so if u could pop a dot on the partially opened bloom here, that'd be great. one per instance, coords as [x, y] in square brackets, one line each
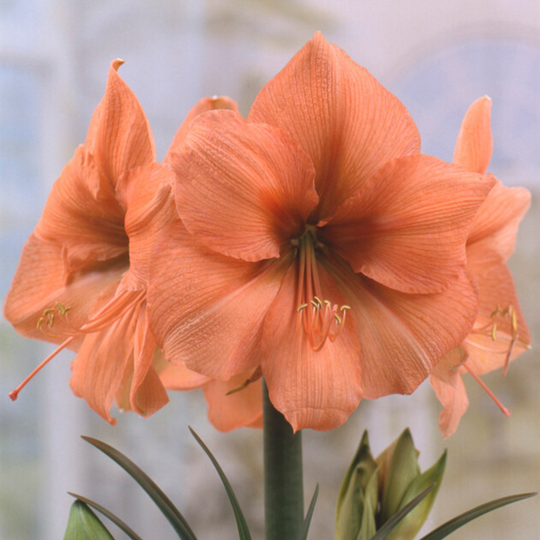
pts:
[314, 243]
[499, 334]
[82, 278]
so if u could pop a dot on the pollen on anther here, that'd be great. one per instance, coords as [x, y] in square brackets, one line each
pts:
[514, 321]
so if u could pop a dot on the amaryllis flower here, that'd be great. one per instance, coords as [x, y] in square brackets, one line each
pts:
[82, 278]
[77, 283]
[499, 334]
[314, 244]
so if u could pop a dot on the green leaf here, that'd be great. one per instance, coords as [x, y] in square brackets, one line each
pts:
[399, 467]
[167, 508]
[309, 515]
[107, 513]
[450, 526]
[83, 524]
[241, 523]
[413, 521]
[387, 528]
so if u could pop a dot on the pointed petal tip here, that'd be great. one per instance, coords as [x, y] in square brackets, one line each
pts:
[115, 64]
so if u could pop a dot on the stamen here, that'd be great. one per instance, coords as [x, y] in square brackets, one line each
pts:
[106, 316]
[317, 316]
[14, 393]
[493, 329]
[488, 391]
[341, 322]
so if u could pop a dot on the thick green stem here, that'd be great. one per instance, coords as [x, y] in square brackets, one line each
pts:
[283, 479]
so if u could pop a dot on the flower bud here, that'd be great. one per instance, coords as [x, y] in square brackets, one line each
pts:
[358, 495]
[373, 490]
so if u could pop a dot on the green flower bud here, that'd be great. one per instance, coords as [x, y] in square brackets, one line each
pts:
[373, 490]
[399, 467]
[358, 495]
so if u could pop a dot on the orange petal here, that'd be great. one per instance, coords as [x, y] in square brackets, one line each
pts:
[474, 143]
[244, 189]
[119, 135]
[103, 364]
[317, 390]
[40, 283]
[233, 411]
[342, 117]
[150, 206]
[496, 293]
[83, 214]
[179, 377]
[147, 394]
[406, 227]
[204, 105]
[150, 396]
[403, 335]
[496, 223]
[206, 310]
[448, 384]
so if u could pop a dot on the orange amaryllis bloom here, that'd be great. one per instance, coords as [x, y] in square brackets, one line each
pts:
[79, 282]
[500, 333]
[315, 244]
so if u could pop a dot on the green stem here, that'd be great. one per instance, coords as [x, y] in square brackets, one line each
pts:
[283, 481]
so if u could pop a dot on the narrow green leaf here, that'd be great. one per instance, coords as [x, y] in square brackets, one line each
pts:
[83, 524]
[309, 515]
[241, 523]
[386, 529]
[167, 508]
[450, 526]
[107, 513]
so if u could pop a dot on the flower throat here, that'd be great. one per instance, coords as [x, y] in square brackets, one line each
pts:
[318, 317]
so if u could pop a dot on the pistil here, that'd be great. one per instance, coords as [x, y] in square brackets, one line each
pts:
[487, 390]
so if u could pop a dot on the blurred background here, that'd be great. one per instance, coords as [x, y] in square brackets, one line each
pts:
[437, 57]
